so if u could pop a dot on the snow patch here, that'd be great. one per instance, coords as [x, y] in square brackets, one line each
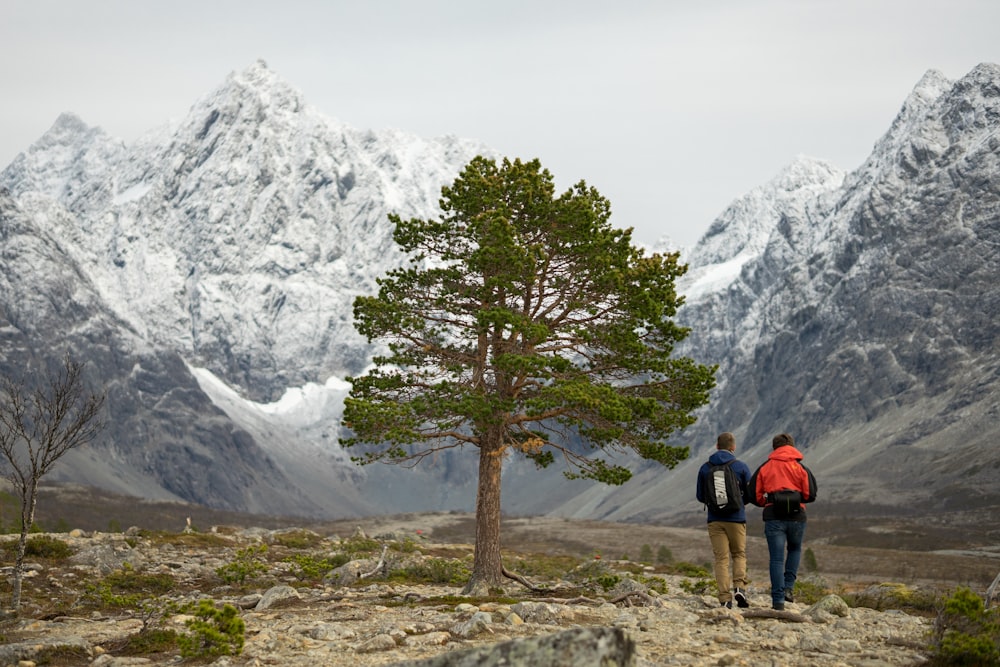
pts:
[134, 193]
[715, 277]
[298, 406]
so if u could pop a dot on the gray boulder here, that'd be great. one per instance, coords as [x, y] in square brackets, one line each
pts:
[579, 647]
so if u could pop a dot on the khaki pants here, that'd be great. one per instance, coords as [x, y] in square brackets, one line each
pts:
[729, 539]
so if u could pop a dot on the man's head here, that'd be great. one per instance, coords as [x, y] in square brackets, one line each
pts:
[782, 440]
[726, 441]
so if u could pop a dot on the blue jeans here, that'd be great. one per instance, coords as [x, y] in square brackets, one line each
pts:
[781, 534]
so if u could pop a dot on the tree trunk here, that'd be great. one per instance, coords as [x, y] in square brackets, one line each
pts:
[28, 500]
[487, 567]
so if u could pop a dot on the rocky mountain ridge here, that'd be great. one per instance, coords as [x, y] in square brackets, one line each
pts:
[207, 271]
[862, 318]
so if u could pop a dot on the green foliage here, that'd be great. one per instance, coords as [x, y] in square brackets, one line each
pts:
[701, 586]
[809, 560]
[309, 567]
[297, 539]
[523, 310]
[60, 526]
[213, 632]
[595, 573]
[809, 592]
[102, 595]
[965, 632]
[689, 569]
[149, 584]
[127, 588]
[248, 563]
[543, 566]
[406, 546]
[892, 596]
[357, 546]
[646, 554]
[658, 584]
[608, 581]
[63, 654]
[664, 555]
[38, 546]
[151, 640]
[434, 571]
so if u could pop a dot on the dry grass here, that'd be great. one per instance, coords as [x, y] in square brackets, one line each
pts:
[848, 549]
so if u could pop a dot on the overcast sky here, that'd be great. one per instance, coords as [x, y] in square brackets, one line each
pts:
[671, 109]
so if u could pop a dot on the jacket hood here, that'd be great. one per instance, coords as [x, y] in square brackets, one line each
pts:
[785, 453]
[721, 456]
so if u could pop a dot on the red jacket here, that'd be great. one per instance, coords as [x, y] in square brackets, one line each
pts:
[783, 470]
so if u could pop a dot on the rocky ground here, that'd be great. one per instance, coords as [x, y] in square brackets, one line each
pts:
[408, 610]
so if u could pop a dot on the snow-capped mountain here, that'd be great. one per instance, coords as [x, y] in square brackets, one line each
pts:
[208, 271]
[234, 243]
[859, 312]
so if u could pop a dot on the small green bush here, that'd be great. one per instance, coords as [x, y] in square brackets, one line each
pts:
[360, 546]
[646, 554]
[308, 567]
[809, 560]
[213, 632]
[247, 564]
[43, 546]
[406, 546]
[657, 584]
[127, 580]
[297, 539]
[965, 632]
[435, 571]
[126, 588]
[808, 592]
[893, 596]
[664, 556]
[701, 586]
[151, 640]
[690, 570]
[38, 546]
[608, 581]
[544, 566]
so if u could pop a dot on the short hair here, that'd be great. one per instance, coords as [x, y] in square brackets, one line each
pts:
[726, 441]
[781, 440]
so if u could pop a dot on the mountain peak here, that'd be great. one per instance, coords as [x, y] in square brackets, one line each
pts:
[260, 78]
[67, 129]
[743, 229]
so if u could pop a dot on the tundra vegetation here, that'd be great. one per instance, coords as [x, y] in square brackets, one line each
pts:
[183, 619]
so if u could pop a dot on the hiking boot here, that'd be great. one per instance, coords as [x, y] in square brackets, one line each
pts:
[788, 595]
[728, 604]
[741, 598]
[778, 606]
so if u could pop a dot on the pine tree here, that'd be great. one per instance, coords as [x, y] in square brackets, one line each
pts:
[524, 321]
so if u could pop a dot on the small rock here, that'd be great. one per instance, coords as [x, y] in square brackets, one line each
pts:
[376, 643]
[831, 604]
[276, 594]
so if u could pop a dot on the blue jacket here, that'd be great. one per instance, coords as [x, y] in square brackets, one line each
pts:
[742, 474]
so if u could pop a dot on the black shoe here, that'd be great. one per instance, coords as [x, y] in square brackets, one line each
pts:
[728, 604]
[788, 595]
[741, 598]
[778, 606]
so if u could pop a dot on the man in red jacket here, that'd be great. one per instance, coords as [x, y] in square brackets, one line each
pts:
[782, 486]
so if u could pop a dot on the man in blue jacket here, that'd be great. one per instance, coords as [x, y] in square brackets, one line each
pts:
[727, 530]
